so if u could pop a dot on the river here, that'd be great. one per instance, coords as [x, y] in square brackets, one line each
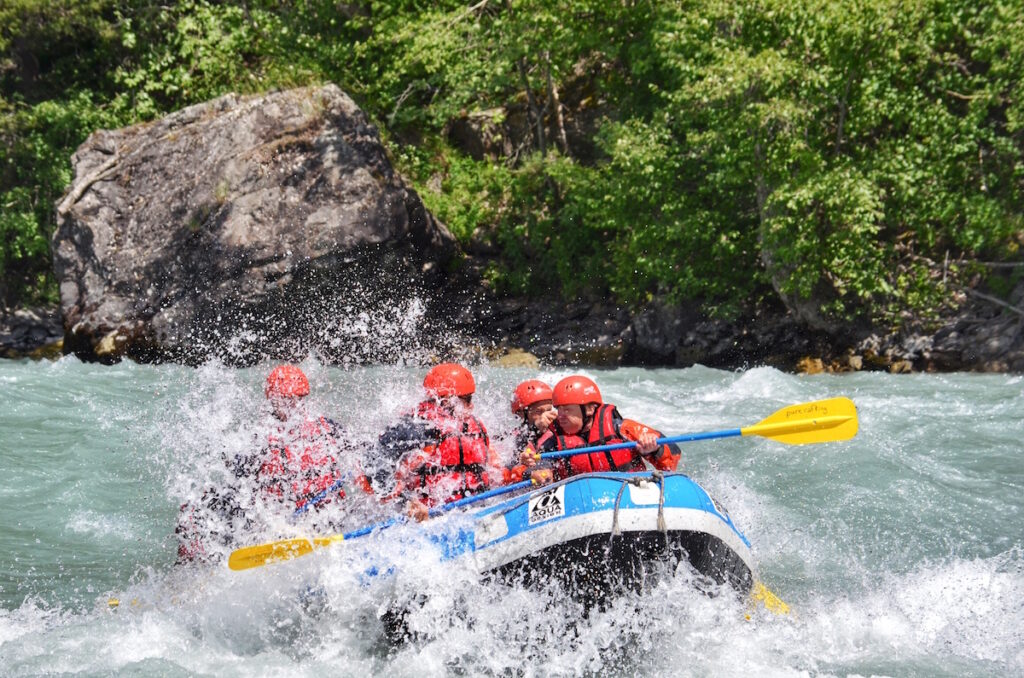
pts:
[900, 551]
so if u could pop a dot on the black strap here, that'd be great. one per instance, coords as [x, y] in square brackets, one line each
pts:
[433, 470]
[611, 460]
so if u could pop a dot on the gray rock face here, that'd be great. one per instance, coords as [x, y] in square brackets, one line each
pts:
[24, 331]
[242, 228]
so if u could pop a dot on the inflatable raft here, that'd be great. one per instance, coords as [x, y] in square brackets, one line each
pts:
[605, 532]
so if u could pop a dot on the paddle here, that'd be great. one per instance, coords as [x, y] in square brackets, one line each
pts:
[285, 549]
[820, 421]
[760, 595]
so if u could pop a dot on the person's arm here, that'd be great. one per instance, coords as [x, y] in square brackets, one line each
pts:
[511, 473]
[544, 471]
[662, 457]
[407, 490]
[518, 470]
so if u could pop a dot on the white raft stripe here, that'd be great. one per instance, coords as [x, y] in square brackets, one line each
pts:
[555, 532]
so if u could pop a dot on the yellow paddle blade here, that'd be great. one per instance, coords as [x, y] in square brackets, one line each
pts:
[821, 421]
[261, 554]
[760, 595]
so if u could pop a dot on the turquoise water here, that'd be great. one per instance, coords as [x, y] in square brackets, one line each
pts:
[900, 551]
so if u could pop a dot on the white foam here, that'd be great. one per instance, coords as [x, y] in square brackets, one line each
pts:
[98, 525]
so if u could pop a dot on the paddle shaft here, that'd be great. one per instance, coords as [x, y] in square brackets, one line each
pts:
[434, 512]
[819, 421]
[661, 441]
[498, 491]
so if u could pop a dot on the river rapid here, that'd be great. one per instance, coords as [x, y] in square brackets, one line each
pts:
[901, 551]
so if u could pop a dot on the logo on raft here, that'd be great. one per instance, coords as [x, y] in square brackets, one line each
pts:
[549, 505]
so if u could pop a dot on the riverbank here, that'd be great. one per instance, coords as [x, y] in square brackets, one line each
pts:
[981, 337]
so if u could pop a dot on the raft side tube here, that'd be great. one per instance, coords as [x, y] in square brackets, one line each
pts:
[621, 525]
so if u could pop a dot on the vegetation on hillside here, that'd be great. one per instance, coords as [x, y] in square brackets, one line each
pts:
[862, 158]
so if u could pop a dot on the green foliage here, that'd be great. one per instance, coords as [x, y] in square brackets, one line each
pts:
[469, 194]
[35, 170]
[837, 152]
[197, 50]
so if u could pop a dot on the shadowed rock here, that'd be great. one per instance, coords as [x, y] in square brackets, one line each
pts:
[241, 228]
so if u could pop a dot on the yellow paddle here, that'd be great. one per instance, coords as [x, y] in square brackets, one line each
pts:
[760, 595]
[821, 421]
[261, 554]
[286, 549]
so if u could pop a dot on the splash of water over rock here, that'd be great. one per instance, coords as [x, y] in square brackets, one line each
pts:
[241, 228]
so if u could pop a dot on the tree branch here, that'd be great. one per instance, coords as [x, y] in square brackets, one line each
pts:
[992, 300]
[104, 171]
[534, 108]
[467, 12]
[555, 104]
[401, 99]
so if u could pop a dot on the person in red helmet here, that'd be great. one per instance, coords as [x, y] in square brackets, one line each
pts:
[531, 403]
[441, 450]
[285, 387]
[585, 420]
[298, 461]
[301, 456]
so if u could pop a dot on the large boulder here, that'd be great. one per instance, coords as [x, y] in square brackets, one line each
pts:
[243, 228]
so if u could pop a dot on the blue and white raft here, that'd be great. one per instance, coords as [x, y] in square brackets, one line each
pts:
[602, 533]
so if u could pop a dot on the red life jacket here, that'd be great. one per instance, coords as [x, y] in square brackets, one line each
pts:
[602, 432]
[456, 464]
[296, 467]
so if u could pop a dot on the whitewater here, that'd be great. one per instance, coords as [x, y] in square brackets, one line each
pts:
[901, 552]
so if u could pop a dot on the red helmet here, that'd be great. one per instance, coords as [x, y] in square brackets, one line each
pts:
[529, 392]
[576, 390]
[449, 379]
[287, 381]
